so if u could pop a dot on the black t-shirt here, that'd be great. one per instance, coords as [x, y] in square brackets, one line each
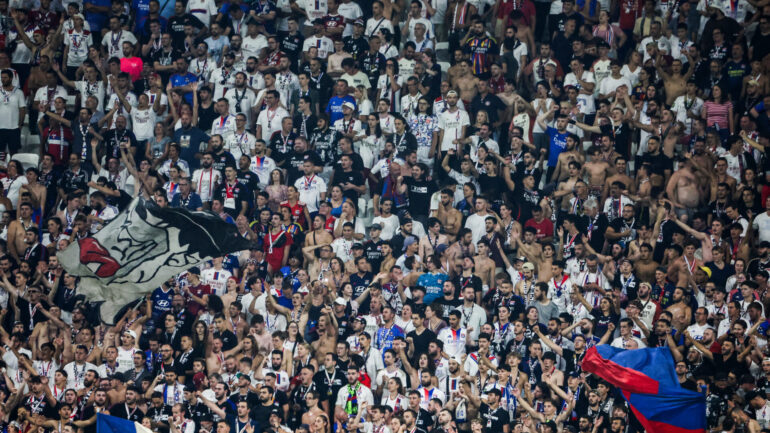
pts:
[206, 116]
[328, 386]
[355, 46]
[354, 177]
[525, 200]
[360, 283]
[175, 27]
[239, 193]
[121, 410]
[493, 186]
[281, 146]
[291, 45]
[494, 419]
[373, 253]
[261, 413]
[419, 193]
[596, 226]
[229, 340]
[421, 341]
[404, 142]
[294, 163]
[165, 58]
[222, 160]
[658, 163]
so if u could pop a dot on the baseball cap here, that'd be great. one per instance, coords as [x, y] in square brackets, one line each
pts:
[358, 22]
[707, 270]
[528, 267]
[349, 104]
[131, 333]
[340, 301]
[375, 226]
[441, 248]
[407, 242]
[358, 246]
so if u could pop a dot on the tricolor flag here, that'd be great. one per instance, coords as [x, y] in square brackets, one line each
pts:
[143, 247]
[647, 380]
[113, 424]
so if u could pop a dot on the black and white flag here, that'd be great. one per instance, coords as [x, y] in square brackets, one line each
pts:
[143, 247]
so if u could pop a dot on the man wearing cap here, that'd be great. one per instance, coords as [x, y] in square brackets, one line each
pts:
[356, 44]
[319, 40]
[349, 126]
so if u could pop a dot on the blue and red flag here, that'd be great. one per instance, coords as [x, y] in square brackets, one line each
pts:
[647, 380]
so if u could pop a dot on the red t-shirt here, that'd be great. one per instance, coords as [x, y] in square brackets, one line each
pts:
[544, 228]
[132, 65]
[200, 290]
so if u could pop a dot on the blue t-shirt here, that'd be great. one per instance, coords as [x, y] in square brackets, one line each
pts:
[217, 46]
[141, 10]
[558, 144]
[434, 286]
[334, 107]
[161, 302]
[97, 20]
[193, 201]
[183, 80]
[189, 144]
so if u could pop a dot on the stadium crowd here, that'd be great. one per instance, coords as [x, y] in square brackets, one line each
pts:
[450, 202]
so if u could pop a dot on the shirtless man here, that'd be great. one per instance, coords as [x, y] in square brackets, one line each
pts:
[466, 83]
[485, 266]
[721, 175]
[596, 171]
[432, 239]
[674, 82]
[16, 230]
[687, 263]
[545, 273]
[463, 247]
[533, 251]
[645, 266]
[564, 191]
[681, 312]
[454, 71]
[313, 410]
[706, 245]
[327, 336]
[451, 218]
[216, 359]
[318, 236]
[318, 264]
[620, 176]
[37, 191]
[570, 154]
[683, 189]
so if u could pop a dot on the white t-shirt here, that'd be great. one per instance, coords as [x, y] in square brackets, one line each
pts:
[202, 9]
[205, 181]
[325, 45]
[114, 42]
[44, 96]
[252, 46]
[239, 144]
[143, 122]
[351, 11]
[216, 279]
[262, 166]
[270, 121]
[452, 124]
[762, 224]
[314, 9]
[310, 190]
[10, 102]
[95, 89]
[78, 43]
